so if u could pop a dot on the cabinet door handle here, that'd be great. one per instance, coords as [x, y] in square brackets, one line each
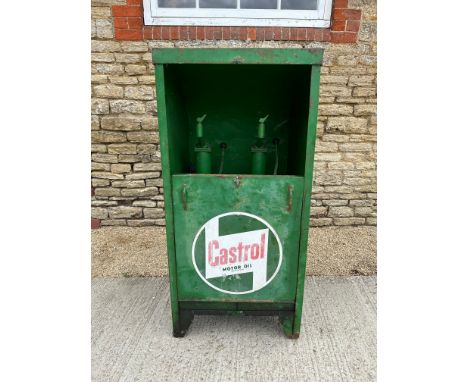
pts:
[290, 197]
[184, 197]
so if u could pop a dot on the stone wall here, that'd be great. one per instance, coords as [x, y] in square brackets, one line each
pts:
[126, 183]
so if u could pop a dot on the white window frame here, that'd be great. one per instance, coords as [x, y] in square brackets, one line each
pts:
[319, 18]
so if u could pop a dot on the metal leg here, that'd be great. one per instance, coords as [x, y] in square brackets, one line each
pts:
[181, 326]
[287, 323]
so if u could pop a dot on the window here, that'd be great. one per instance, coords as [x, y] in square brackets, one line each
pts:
[280, 13]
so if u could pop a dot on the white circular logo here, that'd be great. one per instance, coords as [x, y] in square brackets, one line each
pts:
[237, 253]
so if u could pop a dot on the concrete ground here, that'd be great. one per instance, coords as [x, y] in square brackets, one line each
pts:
[132, 340]
[126, 251]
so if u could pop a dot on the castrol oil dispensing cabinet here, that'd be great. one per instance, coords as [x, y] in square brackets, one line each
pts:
[237, 134]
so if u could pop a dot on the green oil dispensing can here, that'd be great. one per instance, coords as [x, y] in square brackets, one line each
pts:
[202, 150]
[259, 150]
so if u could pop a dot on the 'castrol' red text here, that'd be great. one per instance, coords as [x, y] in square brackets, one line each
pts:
[235, 254]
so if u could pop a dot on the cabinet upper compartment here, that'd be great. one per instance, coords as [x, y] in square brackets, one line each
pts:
[236, 88]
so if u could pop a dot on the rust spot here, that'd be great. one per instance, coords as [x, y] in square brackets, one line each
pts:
[238, 60]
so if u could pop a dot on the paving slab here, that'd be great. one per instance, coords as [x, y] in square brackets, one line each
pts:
[132, 336]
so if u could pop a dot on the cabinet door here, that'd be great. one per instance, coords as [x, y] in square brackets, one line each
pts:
[237, 237]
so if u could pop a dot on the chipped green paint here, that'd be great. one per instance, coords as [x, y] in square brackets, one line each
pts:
[285, 56]
[237, 242]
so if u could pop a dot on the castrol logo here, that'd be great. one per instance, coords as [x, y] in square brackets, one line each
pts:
[237, 253]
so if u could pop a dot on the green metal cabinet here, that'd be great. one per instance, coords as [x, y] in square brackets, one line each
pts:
[237, 230]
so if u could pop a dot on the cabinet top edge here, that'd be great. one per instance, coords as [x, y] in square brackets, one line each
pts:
[259, 56]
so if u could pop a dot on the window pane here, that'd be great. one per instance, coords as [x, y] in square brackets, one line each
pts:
[176, 3]
[258, 4]
[299, 4]
[218, 4]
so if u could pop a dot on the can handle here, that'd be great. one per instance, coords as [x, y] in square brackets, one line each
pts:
[290, 197]
[184, 197]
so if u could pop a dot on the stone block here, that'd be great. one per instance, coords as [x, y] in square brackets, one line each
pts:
[143, 137]
[328, 157]
[121, 168]
[102, 57]
[371, 221]
[335, 138]
[99, 213]
[123, 123]
[141, 223]
[95, 166]
[125, 212]
[105, 158]
[335, 109]
[357, 181]
[334, 91]
[129, 184]
[153, 213]
[114, 222]
[341, 166]
[146, 80]
[335, 202]
[99, 79]
[99, 106]
[108, 91]
[360, 110]
[100, 12]
[139, 92]
[328, 179]
[325, 147]
[149, 123]
[365, 211]
[348, 70]
[155, 182]
[107, 137]
[97, 148]
[355, 147]
[106, 175]
[318, 211]
[104, 68]
[347, 60]
[145, 148]
[128, 58]
[321, 222]
[127, 106]
[122, 148]
[133, 69]
[338, 190]
[104, 28]
[129, 158]
[361, 80]
[346, 124]
[365, 165]
[103, 203]
[95, 124]
[100, 182]
[349, 221]
[123, 80]
[135, 46]
[148, 191]
[106, 192]
[364, 92]
[147, 167]
[104, 46]
[330, 79]
[144, 203]
[350, 100]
